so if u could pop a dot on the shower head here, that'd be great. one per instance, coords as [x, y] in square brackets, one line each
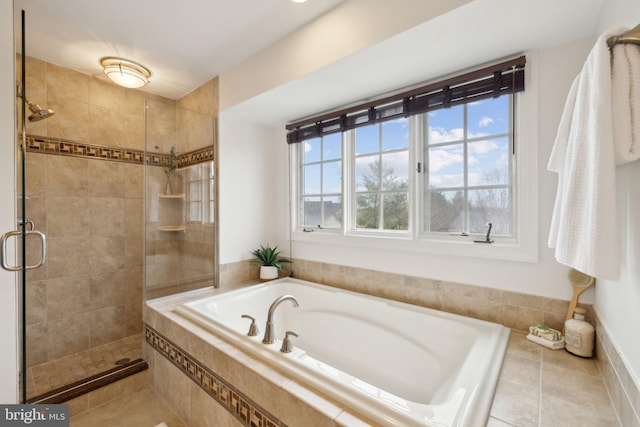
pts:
[39, 113]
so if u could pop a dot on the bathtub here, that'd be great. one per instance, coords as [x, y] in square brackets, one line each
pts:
[394, 363]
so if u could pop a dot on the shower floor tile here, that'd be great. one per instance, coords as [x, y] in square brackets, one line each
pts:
[69, 369]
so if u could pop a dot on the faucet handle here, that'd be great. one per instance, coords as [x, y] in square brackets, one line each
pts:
[287, 346]
[253, 328]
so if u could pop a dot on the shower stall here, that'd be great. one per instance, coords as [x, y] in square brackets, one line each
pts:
[123, 186]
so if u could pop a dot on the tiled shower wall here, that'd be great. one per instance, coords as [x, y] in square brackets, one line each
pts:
[184, 260]
[89, 201]
[90, 290]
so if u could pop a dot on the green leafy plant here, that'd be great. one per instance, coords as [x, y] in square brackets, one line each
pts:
[269, 256]
[172, 163]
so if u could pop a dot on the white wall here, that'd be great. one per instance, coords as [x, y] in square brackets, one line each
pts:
[8, 303]
[618, 302]
[338, 33]
[545, 277]
[248, 189]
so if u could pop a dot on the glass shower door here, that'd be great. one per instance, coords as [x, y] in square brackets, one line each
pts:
[25, 238]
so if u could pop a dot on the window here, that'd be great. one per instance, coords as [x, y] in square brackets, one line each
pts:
[469, 178]
[426, 169]
[382, 176]
[200, 192]
[320, 186]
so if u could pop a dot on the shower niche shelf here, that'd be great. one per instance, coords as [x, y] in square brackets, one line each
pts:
[171, 228]
[171, 212]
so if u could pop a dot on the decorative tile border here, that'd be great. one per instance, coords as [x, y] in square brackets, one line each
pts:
[240, 406]
[62, 147]
[46, 145]
[194, 157]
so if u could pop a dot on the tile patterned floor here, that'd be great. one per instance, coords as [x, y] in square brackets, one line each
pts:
[540, 387]
[142, 408]
[57, 373]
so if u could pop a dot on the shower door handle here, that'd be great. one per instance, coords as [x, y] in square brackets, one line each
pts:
[3, 250]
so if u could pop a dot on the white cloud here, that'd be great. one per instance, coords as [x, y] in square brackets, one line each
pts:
[439, 159]
[482, 147]
[307, 147]
[485, 121]
[444, 181]
[437, 135]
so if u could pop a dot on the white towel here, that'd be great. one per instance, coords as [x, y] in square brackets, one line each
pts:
[625, 95]
[587, 148]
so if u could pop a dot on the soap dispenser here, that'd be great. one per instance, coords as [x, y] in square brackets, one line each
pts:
[579, 334]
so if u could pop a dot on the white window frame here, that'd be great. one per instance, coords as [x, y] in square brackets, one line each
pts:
[522, 248]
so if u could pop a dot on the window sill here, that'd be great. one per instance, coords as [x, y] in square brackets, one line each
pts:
[505, 250]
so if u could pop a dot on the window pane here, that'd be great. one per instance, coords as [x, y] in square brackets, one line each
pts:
[395, 171]
[396, 211]
[332, 212]
[367, 139]
[194, 211]
[311, 179]
[395, 134]
[332, 146]
[490, 206]
[332, 177]
[311, 150]
[446, 211]
[312, 215]
[446, 166]
[446, 125]
[194, 191]
[367, 173]
[488, 117]
[489, 162]
[367, 211]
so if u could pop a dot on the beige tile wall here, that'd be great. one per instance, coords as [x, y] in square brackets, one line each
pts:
[513, 309]
[179, 261]
[625, 393]
[90, 290]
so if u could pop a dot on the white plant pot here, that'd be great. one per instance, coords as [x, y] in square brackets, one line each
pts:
[268, 272]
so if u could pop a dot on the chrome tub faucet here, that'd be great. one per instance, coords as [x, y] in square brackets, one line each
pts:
[269, 333]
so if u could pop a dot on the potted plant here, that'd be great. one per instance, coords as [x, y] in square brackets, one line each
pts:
[270, 260]
[169, 169]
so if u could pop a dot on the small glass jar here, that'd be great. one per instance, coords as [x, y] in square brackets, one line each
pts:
[579, 334]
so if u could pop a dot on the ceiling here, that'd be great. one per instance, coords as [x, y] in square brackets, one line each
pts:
[184, 43]
[470, 36]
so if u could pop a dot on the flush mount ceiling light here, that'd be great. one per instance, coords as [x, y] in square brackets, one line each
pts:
[125, 73]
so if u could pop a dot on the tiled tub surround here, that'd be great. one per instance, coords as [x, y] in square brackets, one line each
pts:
[537, 386]
[624, 391]
[514, 310]
[445, 366]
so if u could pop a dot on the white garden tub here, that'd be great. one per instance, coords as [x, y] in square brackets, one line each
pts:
[396, 363]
